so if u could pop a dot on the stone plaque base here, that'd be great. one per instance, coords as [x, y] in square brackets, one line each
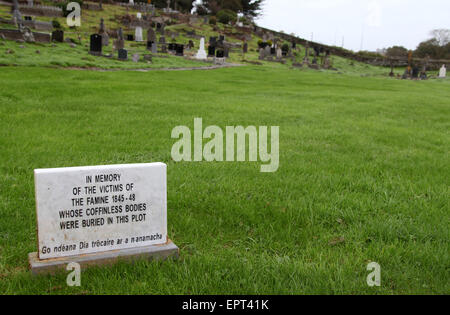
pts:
[105, 258]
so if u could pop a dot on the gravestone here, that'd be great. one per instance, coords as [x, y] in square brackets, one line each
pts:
[201, 54]
[148, 58]
[151, 35]
[415, 72]
[149, 45]
[95, 45]
[123, 54]
[136, 57]
[138, 34]
[211, 51]
[213, 41]
[262, 54]
[58, 36]
[180, 50]
[28, 18]
[100, 214]
[119, 43]
[154, 48]
[130, 37]
[245, 48]
[172, 47]
[279, 53]
[102, 32]
[443, 72]
[226, 52]
[220, 53]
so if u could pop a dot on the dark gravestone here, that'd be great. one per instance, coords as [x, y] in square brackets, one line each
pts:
[294, 45]
[226, 52]
[58, 36]
[191, 44]
[221, 38]
[151, 35]
[149, 45]
[220, 53]
[415, 72]
[130, 37]
[180, 50]
[123, 54]
[245, 48]
[96, 45]
[213, 41]
[172, 47]
[211, 51]
[317, 51]
[28, 18]
[273, 51]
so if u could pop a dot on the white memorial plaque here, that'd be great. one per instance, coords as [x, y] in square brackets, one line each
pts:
[83, 210]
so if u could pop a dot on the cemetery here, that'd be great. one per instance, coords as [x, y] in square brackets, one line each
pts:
[89, 117]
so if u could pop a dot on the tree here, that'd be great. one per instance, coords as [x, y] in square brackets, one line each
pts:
[437, 47]
[250, 8]
[226, 16]
[397, 52]
[185, 5]
[182, 5]
[442, 36]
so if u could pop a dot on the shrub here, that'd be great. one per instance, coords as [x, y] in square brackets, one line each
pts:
[56, 24]
[285, 48]
[213, 20]
[226, 16]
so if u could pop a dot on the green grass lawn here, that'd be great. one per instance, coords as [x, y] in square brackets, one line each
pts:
[364, 176]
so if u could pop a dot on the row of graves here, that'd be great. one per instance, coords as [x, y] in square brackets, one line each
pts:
[218, 48]
[24, 18]
[321, 57]
[153, 44]
[417, 70]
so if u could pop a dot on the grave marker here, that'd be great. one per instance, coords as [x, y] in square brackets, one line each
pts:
[95, 45]
[443, 72]
[123, 54]
[97, 214]
[58, 36]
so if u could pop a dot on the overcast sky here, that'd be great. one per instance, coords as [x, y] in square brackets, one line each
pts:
[380, 23]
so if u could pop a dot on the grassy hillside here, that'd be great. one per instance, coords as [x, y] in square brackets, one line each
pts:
[62, 55]
[363, 177]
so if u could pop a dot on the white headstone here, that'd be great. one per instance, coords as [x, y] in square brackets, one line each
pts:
[443, 72]
[279, 53]
[201, 54]
[131, 2]
[83, 210]
[139, 15]
[138, 34]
